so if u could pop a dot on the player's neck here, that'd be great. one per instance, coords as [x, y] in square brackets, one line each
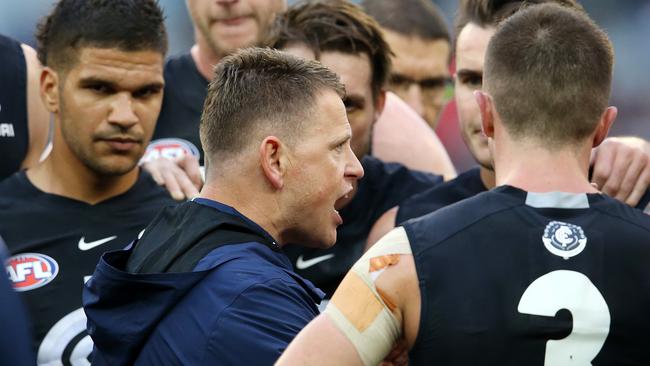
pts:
[65, 175]
[204, 58]
[487, 177]
[538, 169]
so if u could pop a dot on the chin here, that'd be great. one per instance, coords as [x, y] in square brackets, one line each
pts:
[325, 243]
[113, 170]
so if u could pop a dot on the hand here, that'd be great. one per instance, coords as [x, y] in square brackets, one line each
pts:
[398, 356]
[621, 168]
[181, 176]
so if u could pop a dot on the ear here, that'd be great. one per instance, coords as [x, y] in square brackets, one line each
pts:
[380, 103]
[50, 89]
[487, 112]
[605, 123]
[273, 160]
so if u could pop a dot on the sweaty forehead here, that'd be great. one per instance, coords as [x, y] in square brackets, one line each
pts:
[471, 47]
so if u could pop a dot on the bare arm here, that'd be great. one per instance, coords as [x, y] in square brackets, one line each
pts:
[38, 118]
[320, 343]
[376, 307]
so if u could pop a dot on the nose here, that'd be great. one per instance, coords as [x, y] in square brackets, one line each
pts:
[121, 112]
[413, 98]
[353, 168]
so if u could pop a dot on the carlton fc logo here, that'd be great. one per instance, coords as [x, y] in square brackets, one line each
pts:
[28, 271]
[564, 240]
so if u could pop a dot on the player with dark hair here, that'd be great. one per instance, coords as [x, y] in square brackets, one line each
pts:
[418, 34]
[220, 28]
[23, 118]
[209, 282]
[621, 166]
[103, 83]
[536, 271]
[349, 42]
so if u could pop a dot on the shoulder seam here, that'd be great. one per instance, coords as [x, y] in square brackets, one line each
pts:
[607, 213]
[456, 232]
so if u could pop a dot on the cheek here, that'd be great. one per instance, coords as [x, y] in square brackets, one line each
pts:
[328, 185]
[466, 105]
[360, 123]
[76, 120]
[265, 13]
[276, 6]
[148, 114]
[198, 14]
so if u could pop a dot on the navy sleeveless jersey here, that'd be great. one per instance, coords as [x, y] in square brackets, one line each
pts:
[14, 138]
[55, 243]
[467, 184]
[383, 186]
[185, 91]
[516, 278]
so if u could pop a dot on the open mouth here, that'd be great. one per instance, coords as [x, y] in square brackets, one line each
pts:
[344, 198]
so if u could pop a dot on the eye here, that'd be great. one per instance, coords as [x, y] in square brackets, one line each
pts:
[100, 88]
[350, 109]
[435, 83]
[339, 147]
[352, 105]
[474, 81]
[146, 92]
[400, 80]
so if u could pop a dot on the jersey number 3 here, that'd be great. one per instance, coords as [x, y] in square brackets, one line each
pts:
[575, 292]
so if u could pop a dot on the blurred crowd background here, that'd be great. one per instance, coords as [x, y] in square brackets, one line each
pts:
[627, 23]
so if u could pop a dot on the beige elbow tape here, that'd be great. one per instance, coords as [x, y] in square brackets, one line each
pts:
[360, 311]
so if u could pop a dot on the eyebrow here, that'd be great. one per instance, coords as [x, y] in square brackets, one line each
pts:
[97, 81]
[399, 76]
[342, 139]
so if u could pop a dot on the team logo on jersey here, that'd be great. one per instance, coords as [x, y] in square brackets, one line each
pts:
[564, 240]
[170, 149]
[28, 271]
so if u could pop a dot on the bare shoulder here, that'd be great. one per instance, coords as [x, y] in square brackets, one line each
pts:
[392, 262]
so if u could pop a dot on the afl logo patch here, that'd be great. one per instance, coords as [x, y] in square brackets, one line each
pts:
[564, 240]
[28, 271]
[170, 149]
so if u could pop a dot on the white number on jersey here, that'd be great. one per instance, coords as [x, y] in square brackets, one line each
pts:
[591, 319]
[59, 338]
